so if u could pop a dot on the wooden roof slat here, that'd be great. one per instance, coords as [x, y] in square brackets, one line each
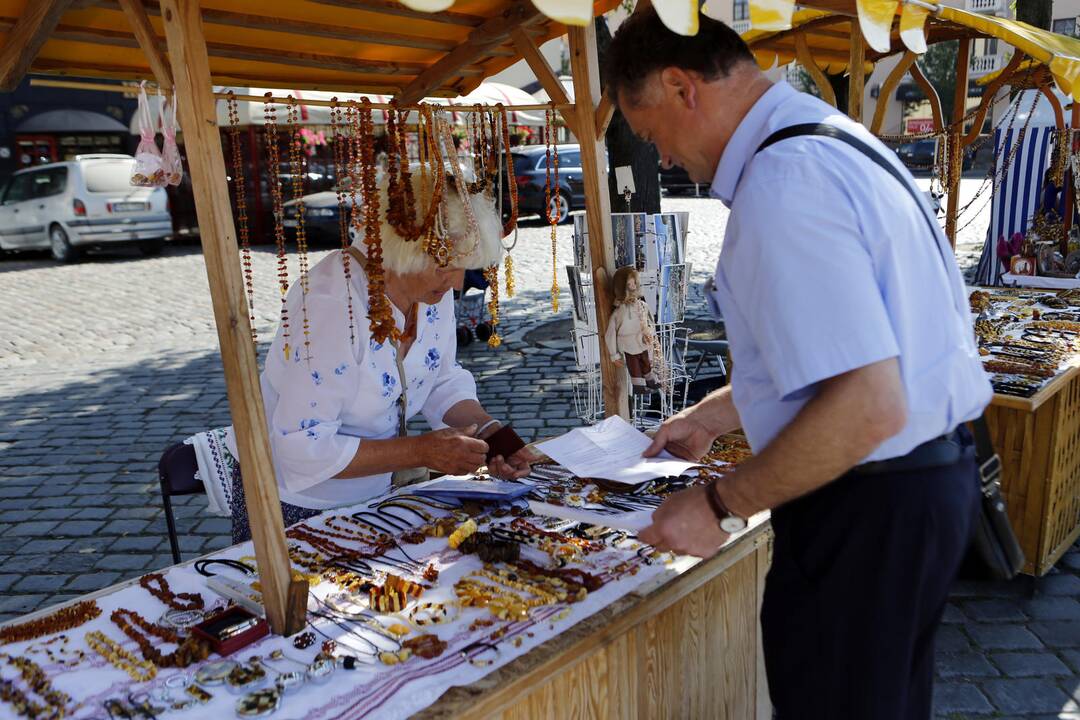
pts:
[119, 38]
[26, 38]
[392, 7]
[491, 33]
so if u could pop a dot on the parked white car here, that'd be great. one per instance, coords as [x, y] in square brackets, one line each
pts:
[85, 202]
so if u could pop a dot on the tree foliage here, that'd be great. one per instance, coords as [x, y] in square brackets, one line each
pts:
[939, 66]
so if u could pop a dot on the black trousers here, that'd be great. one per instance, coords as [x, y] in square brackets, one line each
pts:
[860, 575]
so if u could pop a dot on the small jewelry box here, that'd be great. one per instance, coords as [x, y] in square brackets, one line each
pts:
[232, 629]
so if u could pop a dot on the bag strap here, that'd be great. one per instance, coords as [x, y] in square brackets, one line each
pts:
[989, 462]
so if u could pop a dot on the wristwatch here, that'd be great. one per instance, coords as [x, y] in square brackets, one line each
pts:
[728, 521]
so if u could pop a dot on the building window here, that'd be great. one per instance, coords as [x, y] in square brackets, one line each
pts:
[740, 10]
[1065, 26]
[992, 46]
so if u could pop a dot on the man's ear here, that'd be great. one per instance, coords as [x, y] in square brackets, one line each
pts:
[679, 87]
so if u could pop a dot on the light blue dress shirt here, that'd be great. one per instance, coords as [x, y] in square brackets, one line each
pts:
[827, 267]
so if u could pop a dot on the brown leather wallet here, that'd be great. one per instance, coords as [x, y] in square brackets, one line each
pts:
[503, 441]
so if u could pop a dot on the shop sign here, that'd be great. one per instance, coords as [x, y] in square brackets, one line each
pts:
[916, 126]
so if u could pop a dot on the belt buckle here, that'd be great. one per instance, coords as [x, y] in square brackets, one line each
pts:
[990, 471]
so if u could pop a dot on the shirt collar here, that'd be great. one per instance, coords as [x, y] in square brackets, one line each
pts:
[745, 140]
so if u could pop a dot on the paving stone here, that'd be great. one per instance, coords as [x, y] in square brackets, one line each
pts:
[951, 639]
[215, 526]
[41, 583]
[1072, 658]
[80, 528]
[91, 582]
[13, 516]
[1003, 637]
[7, 580]
[127, 562]
[124, 527]
[60, 513]
[1052, 608]
[93, 513]
[21, 604]
[1059, 585]
[137, 543]
[1025, 696]
[994, 611]
[953, 615]
[30, 529]
[960, 699]
[1058, 633]
[1042, 664]
[965, 664]
[1071, 560]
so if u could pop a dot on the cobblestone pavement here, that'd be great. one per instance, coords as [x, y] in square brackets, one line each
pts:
[105, 363]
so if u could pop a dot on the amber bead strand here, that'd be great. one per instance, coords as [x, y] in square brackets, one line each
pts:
[552, 167]
[158, 586]
[342, 164]
[240, 195]
[296, 169]
[188, 651]
[382, 317]
[63, 619]
[274, 162]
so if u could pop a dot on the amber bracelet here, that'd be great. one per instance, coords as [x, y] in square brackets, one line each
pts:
[158, 586]
[118, 657]
[63, 619]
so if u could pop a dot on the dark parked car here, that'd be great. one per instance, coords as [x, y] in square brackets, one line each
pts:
[321, 224]
[675, 181]
[920, 154]
[530, 174]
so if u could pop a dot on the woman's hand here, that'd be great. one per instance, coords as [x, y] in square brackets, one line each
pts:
[516, 466]
[452, 451]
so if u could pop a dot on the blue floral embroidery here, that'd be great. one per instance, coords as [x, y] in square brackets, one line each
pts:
[313, 403]
[309, 423]
[432, 314]
[373, 366]
[375, 346]
[340, 369]
[389, 382]
[316, 377]
[312, 434]
[432, 359]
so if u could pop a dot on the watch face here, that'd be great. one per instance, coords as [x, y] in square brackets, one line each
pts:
[733, 524]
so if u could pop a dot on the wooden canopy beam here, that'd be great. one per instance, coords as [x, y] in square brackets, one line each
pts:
[585, 70]
[955, 149]
[148, 41]
[887, 88]
[931, 94]
[988, 97]
[24, 42]
[806, 59]
[604, 112]
[491, 33]
[526, 47]
[202, 138]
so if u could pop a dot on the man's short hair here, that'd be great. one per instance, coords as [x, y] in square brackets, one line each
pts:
[643, 45]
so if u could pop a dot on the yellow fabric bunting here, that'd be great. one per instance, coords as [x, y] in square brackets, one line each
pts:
[913, 27]
[771, 15]
[875, 21]
[568, 12]
[680, 16]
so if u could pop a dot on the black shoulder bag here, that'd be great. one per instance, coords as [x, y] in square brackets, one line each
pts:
[995, 552]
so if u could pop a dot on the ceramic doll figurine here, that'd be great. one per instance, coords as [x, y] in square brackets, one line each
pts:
[630, 331]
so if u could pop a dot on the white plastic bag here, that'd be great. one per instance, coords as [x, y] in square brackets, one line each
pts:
[148, 171]
[170, 154]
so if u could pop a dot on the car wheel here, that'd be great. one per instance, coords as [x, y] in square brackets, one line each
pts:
[483, 332]
[61, 247]
[152, 248]
[464, 336]
[564, 208]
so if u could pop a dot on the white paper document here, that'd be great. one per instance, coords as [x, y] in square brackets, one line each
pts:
[611, 450]
[631, 521]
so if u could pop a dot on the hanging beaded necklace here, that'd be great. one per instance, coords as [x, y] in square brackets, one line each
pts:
[343, 163]
[552, 168]
[240, 195]
[296, 177]
[274, 160]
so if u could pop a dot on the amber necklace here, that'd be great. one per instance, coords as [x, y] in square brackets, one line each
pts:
[296, 170]
[343, 166]
[158, 586]
[552, 155]
[278, 203]
[240, 194]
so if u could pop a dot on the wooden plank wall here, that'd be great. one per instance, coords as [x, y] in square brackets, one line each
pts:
[697, 658]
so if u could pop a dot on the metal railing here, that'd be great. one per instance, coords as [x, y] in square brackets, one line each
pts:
[984, 65]
[987, 6]
[740, 26]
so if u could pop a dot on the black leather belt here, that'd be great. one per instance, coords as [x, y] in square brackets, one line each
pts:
[944, 450]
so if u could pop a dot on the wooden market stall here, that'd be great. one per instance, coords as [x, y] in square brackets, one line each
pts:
[687, 644]
[1038, 438]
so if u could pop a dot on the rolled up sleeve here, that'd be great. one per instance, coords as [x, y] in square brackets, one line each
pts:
[811, 299]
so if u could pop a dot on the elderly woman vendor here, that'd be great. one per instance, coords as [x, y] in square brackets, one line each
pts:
[337, 400]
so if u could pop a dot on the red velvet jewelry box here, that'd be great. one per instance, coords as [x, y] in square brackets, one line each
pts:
[220, 630]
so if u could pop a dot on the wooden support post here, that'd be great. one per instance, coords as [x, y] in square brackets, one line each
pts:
[955, 149]
[148, 41]
[931, 94]
[887, 88]
[202, 139]
[604, 112]
[856, 72]
[585, 69]
[806, 59]
[23, 42]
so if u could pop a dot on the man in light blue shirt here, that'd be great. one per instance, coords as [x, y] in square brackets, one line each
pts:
[854, 364]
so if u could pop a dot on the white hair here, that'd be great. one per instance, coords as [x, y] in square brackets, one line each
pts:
[404, 257]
